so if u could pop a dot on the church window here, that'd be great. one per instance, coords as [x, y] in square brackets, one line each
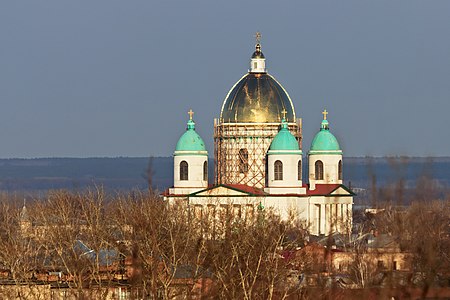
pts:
[299, 170]
[184, 170]
[319, 170]
[205, 171]
[243, 161]
[340, 170]
[278, 169]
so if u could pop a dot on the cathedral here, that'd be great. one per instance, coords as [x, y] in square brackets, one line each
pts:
[258, 159]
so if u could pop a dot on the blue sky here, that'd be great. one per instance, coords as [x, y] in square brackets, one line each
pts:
[116, 78]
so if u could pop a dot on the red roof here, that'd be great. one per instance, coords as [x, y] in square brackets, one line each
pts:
[239, 187]
[322, 189]
[246, 189]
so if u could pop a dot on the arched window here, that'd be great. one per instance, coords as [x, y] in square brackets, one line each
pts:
[205, 171]
[299, 170]
[278, 169]
[319, 170]
[243, 161]
[184, 170]
[340, 170]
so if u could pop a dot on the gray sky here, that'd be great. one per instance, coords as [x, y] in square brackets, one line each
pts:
[116, 78]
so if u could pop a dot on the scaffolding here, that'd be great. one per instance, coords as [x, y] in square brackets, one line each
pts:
[240, 150]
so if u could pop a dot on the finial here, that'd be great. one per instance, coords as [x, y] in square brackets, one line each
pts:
[257, 63]
[284, 112]
[325, 113]
[258, 37]
[190, 113]
[260, 206]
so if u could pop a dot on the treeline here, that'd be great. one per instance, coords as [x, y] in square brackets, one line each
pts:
[89, 244]
[92, 245]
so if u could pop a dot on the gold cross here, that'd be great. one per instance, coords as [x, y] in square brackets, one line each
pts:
[284, 112]
[325, 113]
[190, 113]
[258, 37]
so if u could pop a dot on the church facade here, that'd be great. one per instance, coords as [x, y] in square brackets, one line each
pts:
[258, 160]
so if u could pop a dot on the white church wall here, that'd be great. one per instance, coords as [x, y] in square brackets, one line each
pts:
[330, 169]
[195, 172]
[290, 171]
[289, 206]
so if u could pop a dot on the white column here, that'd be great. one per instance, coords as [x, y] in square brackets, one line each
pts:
[339, 217]
[323, 218]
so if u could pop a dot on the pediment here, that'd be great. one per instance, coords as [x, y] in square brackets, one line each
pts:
[341, 191]
[228, 190]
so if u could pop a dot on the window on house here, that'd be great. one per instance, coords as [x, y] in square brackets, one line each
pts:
[184, 170]
[299, 170]
[243, 161]
[278, 169]
[319, 170]
[340, 170]
[205, 171]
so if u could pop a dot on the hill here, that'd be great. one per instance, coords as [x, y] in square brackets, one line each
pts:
[126, 173]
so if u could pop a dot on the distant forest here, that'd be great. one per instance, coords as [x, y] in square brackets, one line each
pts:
[40, 175]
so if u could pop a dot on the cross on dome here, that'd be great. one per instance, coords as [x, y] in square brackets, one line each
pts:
[190, 113]
[258, 37]
[284, 112]
[325, 113]
[257, 63]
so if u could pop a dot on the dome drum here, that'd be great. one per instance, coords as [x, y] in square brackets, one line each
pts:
[256, 138]
[249, 120]
[325, 157]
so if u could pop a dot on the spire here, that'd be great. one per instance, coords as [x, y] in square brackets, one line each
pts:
[190, 123]
[258, 61]
[324, 125]
[258, 37]
[284, 124]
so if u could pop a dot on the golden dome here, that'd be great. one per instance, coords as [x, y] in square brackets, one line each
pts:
[257, 98]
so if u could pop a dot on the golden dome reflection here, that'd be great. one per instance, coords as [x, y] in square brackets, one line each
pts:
[257, 98]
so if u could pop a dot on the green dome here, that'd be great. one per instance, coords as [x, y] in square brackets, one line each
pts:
[325, 140]
[284, 140]
[190, 140]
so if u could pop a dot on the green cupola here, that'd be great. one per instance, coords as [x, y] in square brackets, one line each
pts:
[190, 143]
[284, 141]
[325, 142]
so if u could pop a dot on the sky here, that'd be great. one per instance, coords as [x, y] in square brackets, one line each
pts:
[99, 78]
